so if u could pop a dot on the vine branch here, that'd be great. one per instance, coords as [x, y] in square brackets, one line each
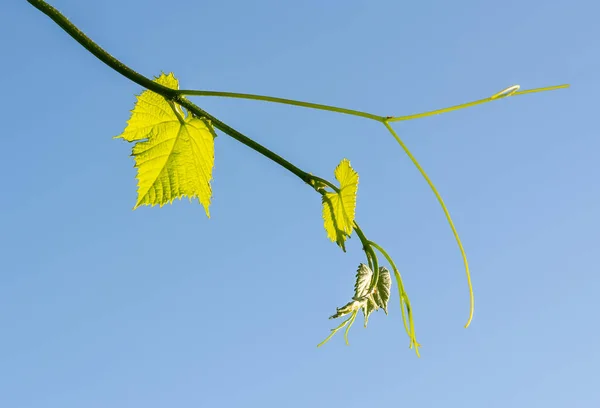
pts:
[178, 97]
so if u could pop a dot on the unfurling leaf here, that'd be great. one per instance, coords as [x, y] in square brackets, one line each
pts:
[364, 299]
[380, 296]
[339, 208]
[174, 152]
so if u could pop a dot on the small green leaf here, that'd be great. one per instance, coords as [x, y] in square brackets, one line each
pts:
[339, 208]
[364, 300]
[364, 275]
[174, 153]
[381, 294]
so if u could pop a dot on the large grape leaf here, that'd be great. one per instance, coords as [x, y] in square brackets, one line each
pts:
[339, 208]
[174, 152]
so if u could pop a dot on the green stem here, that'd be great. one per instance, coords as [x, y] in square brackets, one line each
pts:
[350, 323]
[334, 331]
[446, 212]
[177, 113]
[511, 91]
[370, 260]
[326, 182]
[371, 255]
[168, 93]
[98, 52]
[283, 101]
[404, 300]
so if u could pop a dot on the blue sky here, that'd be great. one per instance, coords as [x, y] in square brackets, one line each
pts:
[101, 306]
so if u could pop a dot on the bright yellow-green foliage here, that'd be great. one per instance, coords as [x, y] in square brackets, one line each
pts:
[339, 208]
[174, 152]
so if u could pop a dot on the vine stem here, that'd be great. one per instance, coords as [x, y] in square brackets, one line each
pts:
[178, 97]
[510, 91]
[98, 52]
[170, 94]
[283, 101]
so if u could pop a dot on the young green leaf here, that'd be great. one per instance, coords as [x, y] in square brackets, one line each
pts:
[381, 294]
[364, 274]
[339, 208]
[365, 300]
[174, 153]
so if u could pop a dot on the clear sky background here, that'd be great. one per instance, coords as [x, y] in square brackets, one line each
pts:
[104, 307]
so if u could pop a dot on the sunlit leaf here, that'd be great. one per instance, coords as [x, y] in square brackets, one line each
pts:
[174, 152]
[339, 208]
